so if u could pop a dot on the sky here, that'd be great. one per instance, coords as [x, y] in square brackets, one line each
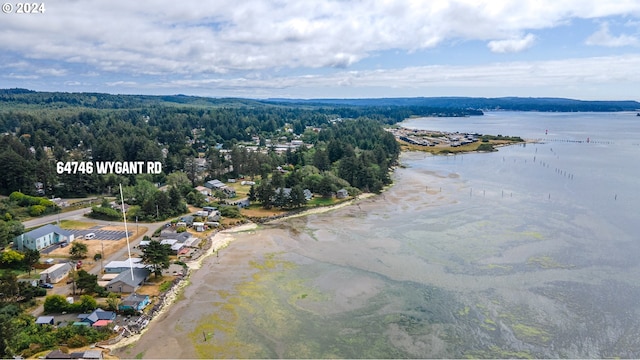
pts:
[581, 49]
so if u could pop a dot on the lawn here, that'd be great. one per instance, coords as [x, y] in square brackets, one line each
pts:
[321, 201]
[76, 224]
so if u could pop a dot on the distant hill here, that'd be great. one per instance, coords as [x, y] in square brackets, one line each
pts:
[109, 101]
[504, 103]
[437, 104]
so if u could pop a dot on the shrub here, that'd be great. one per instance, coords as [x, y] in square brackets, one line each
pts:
[55, 304]
[165, 286]
[36, 210]
[230, 211]
[485, 147]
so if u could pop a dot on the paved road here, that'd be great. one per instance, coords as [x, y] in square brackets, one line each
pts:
[74, 214]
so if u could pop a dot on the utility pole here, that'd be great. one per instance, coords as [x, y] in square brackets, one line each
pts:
[102, 256]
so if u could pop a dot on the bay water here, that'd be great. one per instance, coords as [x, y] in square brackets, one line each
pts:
[530, 251]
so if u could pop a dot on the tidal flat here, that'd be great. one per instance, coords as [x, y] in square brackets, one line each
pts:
[481, 255]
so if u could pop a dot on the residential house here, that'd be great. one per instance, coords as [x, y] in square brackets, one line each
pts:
[242, 203]
[118, 266]
[45, 320]
[342, 194]
[169, 242]
[135, 302]
[177, 247]
[87, 354]
[187, 219]
[209, 209]
[42, 237]
[308, 195]
[214, 216]
[203, 190]
[198, 226]
[55, 273]
[219, 185]
[125, 283]
[214, 184]
[98, 316]
[202, 213]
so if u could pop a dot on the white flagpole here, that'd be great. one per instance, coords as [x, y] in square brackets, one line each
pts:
[126, 232]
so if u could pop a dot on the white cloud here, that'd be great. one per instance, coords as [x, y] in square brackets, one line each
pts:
[190, 37]
[603, 37]
[21, 76]
[512, 45]
[481, 80]
[122, 83]
[252, 45]
[52, 72]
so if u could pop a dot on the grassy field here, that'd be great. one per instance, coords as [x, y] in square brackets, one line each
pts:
[76, 225]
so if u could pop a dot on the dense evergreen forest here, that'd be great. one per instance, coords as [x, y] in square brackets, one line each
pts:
[42, 128]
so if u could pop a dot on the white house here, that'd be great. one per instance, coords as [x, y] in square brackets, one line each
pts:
[42, 237]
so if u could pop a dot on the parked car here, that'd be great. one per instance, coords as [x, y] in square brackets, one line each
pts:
[46, 285]
[90, 236]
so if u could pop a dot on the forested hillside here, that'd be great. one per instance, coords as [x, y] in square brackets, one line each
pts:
[201, 137]
[503, 103]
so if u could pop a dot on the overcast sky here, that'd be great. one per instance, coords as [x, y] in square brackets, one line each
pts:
[584, 49]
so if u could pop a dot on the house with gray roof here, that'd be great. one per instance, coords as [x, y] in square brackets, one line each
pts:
[118, 266]
[134, 301]
[308, 195]
[99, 314]
[45, 320]
[42, 237]
[342, 194]
[125, 283]
[55, 273]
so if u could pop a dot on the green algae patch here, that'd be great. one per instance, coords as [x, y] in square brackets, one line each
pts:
[519, 319]
[257, 318]
[530, 334]
[495, 352]
[533, 234]
[275, 313]
[499, 267]
[547, 262]
[464, 311]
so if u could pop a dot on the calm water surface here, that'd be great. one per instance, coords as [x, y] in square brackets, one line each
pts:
[531, 251]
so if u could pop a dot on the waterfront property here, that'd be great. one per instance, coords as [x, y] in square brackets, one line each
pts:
[43, 237]
[342, 194]
[125, 283]
[98, 318]
[135, 302]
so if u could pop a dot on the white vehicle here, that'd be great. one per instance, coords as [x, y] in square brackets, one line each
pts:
[90, 236]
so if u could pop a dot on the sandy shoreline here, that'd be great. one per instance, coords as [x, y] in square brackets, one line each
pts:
[220, 240]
